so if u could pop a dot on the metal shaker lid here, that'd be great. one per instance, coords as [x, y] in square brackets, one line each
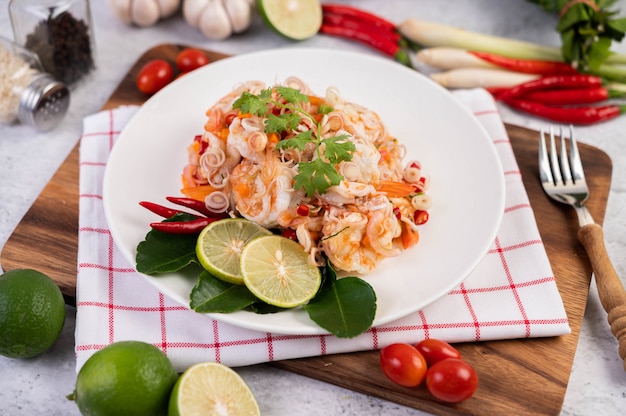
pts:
[44, 102]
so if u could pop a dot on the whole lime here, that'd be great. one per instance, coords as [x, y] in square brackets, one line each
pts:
[128, 378]
[32, 313]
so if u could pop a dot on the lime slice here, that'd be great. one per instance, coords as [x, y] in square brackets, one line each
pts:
[277, 271]
[212, 389]
[293, 19]
[220, 243]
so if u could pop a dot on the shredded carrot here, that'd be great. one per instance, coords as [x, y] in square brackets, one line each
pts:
[224, 133]
[244, 115]
[384, 154]
[409, 236]
[195, 146]
[273, 138]
[395, 189]
[197, 192]
[315, 100]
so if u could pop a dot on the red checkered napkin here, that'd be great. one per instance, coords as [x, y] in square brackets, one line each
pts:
[511, 294]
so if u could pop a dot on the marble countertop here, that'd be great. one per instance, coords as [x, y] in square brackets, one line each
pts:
[28, 160]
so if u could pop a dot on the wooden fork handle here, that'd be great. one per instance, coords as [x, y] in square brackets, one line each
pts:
[610, 288]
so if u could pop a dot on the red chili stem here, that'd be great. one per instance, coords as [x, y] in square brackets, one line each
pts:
[183, 227]
[527, 66]
[198, 206]
[569, 115]
[553, 82]
[160, 209]
[569, 97]
[358, 14]
[377, 42]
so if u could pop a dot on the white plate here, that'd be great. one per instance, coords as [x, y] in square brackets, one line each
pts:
[467, 183]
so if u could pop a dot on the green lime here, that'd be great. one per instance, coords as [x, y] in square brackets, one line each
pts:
[212, 389]
[125, 378]
[293, 19]
[32, 313]
[277, 271]
[220, 244]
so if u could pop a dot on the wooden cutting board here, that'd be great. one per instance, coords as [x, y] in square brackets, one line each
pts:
[520, 377]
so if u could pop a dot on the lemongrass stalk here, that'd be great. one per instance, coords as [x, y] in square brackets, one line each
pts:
[429, 34]
[442, 57]
[480, 77]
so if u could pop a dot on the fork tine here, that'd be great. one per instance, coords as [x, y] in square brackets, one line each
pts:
[575, 162]
[545, 173]
[565, 165]
[554, 159]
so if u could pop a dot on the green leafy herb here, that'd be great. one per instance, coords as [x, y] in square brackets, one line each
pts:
[164, 253]
[213, 295]
[320, 173]
[587, 30]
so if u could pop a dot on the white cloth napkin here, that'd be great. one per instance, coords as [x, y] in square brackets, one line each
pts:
[511, 294]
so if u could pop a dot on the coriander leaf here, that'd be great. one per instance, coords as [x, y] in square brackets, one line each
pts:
[316, 175]
[291, 95]
[346, 309]
[277, 124]
[250, 103]
[213, 295]
[299, 141]
[338, 148]
[163, 252]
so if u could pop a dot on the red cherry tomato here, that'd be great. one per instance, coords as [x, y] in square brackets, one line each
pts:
[403, 364]
[154, 75]
[189, 59]
[436, 350]
[451, 380]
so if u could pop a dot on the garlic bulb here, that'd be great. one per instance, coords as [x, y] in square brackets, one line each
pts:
[143, 12]
[218, 19]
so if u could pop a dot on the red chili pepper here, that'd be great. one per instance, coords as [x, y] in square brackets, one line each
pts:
[569, 97]
[303, 210]
[370, 38]
[527, 66]
[290, 233]
[160, 209]
[569, 115]
[196, 205]
[420, 217]
[553, 82]
[360, 25]
[183, 227]
[358, 14]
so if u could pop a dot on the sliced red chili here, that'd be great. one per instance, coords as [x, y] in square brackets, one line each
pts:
[290, 233]
[420, 217]
[183, 227]
[527, 66]
[397, 213]
[303, 210]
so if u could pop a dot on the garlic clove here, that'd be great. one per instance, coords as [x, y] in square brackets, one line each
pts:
[239, 13]
[144, 12]
[168, 7]
[121, 10]
[192, 11]
[214, 21]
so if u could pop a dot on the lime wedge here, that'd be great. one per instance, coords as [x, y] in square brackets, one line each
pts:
[220, 244]
[277, 271]
[293, 19]
[212, 389]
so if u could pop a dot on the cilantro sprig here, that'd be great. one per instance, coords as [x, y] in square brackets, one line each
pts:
[318, 174]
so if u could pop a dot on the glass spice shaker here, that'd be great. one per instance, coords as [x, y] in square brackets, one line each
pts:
[59, 32]
[27, 94]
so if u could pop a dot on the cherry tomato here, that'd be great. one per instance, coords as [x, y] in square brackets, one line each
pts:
[189, 59]
[451, 380]
[154, 75]
[403, 364]
[435, 350]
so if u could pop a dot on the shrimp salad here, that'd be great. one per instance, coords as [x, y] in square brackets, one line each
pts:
[318, 169]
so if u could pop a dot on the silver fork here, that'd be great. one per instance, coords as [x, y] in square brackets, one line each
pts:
[563, 179]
